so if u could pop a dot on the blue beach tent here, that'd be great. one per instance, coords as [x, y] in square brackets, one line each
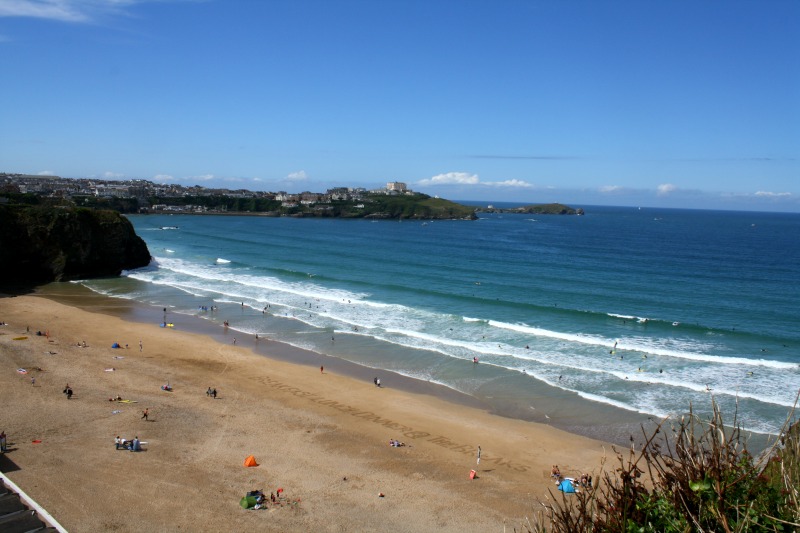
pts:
[566, 487]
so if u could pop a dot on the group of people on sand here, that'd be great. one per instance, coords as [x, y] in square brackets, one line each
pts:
[262, 500]
[584, 481]
[212, 393]
[396, 443]
[134, 445]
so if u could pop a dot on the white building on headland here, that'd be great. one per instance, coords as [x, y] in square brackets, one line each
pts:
[396, 186]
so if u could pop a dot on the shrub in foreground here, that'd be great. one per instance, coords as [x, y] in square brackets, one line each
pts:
[689, 476]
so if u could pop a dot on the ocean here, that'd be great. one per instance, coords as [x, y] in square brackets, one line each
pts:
[593, 323]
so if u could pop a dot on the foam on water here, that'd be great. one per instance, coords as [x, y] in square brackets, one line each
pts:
[411, 304]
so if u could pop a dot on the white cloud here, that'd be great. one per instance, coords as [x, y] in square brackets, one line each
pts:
[666, 188]
[66, 10]
[508, 183]
[465, 178]
[300, 175]
[451, 178]
[46, 173]
[769, 194]
[611, 189]
[163, 178]
[112, 175]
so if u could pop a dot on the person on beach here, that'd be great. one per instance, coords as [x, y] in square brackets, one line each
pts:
[145, 414]
[140, 346]
[208, 392]
[375, 381]
[214, 393]
[479, 454]
[321, 369]
[3, 442]
[378, 383]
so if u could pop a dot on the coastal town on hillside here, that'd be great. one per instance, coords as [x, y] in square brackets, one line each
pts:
[393, 201]
[55, 186]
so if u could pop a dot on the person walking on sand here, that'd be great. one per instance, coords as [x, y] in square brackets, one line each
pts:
[479, 454]
[321, 369]
[145, 413]
[140, 346]
[3, 442]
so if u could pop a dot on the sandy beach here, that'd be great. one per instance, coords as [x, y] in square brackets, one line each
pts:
[321, 436]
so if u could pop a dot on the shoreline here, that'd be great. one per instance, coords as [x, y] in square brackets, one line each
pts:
[609, 423]
[320, 435]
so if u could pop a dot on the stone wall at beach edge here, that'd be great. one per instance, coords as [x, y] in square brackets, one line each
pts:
[44, 244]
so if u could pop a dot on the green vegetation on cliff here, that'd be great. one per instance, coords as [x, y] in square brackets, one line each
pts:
[536, 209]
[412, 206]
[43, 243]
[416, 206]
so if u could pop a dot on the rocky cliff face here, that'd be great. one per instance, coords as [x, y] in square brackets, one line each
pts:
[43, 244]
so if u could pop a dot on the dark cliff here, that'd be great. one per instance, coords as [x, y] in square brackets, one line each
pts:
[43, 244]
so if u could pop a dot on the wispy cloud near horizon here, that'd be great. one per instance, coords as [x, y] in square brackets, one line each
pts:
[533, 157]
[465, 178]
[769, 194]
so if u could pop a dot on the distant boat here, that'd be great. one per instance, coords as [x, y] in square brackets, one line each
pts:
[169, 227]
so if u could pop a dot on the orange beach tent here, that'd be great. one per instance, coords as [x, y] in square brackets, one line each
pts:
[250, 461]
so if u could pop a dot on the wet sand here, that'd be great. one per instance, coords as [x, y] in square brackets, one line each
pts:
[322, 436]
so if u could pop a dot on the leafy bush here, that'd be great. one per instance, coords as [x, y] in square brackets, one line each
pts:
[691, 476]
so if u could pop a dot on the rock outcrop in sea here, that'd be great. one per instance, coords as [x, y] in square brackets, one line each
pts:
[44, 244]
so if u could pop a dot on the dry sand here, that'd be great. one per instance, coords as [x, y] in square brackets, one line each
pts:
[322, 437]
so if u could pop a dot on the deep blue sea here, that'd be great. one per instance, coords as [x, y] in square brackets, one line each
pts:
[621, 314]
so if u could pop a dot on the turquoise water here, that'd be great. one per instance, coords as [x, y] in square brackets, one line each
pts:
[692, 300]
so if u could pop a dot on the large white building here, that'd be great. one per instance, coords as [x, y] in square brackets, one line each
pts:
[396, 186]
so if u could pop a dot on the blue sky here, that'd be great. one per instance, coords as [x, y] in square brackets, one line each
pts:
[675, 104]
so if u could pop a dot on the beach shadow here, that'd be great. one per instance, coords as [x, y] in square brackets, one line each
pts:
[6, 464]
